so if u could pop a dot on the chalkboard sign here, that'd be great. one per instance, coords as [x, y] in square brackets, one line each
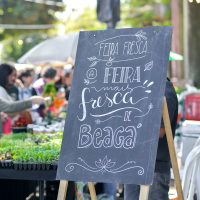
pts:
[115, 106]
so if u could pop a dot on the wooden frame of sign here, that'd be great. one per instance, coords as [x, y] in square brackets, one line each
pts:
[144, 191]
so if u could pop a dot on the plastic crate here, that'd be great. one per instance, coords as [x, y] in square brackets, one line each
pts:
[192, 107]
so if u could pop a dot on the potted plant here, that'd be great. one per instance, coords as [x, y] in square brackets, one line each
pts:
[8, 159]
[16, 162]
[39, 164]
[35, 159]
[30, 160]
[49, 155]
[2, 158]
[55, 161]
[20, 125]
[44, 158]
[20, 161]
[25, 161]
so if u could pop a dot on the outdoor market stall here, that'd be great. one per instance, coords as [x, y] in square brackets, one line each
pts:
[30, 157]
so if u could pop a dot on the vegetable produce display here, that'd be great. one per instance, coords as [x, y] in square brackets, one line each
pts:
[49, 90]
[30, 152]
[21, 122]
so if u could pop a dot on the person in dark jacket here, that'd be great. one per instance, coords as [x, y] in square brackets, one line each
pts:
[161, 178]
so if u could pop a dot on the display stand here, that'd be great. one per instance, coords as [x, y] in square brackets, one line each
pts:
[172, 151]
[144, 191]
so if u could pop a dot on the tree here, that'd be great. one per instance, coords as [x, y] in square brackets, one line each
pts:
[19, 12]
[83, 20]
[139, 13]
[26, 13]
[193, 46]
[14, 48]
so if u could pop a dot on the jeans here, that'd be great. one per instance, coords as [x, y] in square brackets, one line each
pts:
[110, 189]
[157, 191]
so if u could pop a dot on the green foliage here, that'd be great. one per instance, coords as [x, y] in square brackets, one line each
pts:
[13, 137]
[180, 90]
[28, 150]
[21, 12]
[87, 20]
[49, 89]
[135, 13]
[15, 46]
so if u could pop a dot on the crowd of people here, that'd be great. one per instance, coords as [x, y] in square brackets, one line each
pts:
[26, 84]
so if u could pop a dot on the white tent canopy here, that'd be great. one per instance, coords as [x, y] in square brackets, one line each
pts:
[54, 51]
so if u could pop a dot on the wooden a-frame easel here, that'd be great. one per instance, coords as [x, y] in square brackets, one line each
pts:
[144, 191]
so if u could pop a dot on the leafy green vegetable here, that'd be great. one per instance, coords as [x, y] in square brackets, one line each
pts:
[31, 148]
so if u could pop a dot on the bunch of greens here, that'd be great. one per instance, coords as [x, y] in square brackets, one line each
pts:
[49, 90]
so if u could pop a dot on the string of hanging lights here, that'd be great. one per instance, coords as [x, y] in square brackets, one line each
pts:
[191, 1]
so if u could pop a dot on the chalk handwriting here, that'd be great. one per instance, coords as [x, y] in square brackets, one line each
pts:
[108, 49]
[122, 74]
[118, 138]
[108, 113]
[91, 73]
[127, 115]
[135, 47]
[116, 88]
[118, 98]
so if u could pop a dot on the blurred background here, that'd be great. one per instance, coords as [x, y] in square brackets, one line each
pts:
[26, 23]
[39, 38]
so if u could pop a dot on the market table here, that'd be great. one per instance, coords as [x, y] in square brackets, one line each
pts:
[37, 175]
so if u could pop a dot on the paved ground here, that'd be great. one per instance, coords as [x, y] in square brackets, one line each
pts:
[172, 193]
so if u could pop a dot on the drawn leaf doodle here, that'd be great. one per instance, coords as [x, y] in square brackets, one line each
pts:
[138, 38]
[109, 64]
[111, 59]
[149, 66]
[110, 164]
[98, 164]
[92, 58]
[86, 81]
[105, 165]
[140, 34]
[94, 63]
[143, 37]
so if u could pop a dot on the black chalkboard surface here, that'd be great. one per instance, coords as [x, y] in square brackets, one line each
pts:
[114, 113]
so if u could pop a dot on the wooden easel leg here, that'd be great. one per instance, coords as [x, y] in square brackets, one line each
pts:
[172, 152]
[62, 190]
[144, 192]
[92, 191]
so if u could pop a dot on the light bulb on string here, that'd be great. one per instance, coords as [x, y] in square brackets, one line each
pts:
[190, 1]
[198, 1]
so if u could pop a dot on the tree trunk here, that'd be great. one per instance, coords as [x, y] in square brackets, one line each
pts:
[194, 42]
